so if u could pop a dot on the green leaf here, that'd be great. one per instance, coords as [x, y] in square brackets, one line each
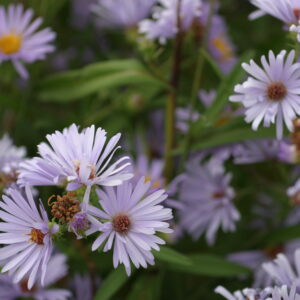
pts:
[213, 64]
[171, 256]
[234, 135]
[115, 280]
[74, 85]
[211, 265]
[227, 88]
[147, 287]
[282, 235]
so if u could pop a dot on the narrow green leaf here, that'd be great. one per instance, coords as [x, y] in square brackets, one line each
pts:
[171, 256]
[211, 265]
[115, 280]
[282, 235]
[229, 137]
[213, 64]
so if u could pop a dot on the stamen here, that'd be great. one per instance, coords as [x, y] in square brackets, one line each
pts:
[10, 43]
[276, 91]
[65, 207]
[121, 223]
[37, 236]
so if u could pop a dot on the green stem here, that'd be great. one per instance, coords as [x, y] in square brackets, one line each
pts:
[172, 99]
[196, 84]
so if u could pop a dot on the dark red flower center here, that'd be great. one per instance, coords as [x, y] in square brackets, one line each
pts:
[37, 236]
[24, 287]
[297, 13]
[276, 91]
[121, 223]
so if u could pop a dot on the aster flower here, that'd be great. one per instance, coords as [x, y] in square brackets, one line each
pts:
[76, 158]
[152, 170]
[254, 259]
[132, 218]
[20, 41]
[206, 197]
[119, 13]
[296, 28]
[276, 293]
[83, 288]
[283, 271]
[288, 11]
[57, 269]
[10, 158]
[219, 44]
[164, 24]
[256, 151]
[27, 234]
[271, 93]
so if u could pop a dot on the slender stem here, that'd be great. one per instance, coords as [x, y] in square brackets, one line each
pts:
[197, 83]
[172, 99]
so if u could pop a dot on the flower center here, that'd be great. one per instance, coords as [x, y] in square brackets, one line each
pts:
[219, 195]
[36, 236]
[77, 164]
[121, 223]
[220, 44]
[276, 91]
[10, 43]
[297, 13]
[24, 287]
[274, 251]
[65, 207]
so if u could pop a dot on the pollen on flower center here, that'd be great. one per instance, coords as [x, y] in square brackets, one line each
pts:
[24, 287]
[276, 91]
[37, 236]
[10, 43]
[219, 195]
[65, 207]
[297, 13]
[222, 46]
[121, 223]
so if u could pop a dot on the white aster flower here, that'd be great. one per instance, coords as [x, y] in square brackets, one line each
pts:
[272, 93]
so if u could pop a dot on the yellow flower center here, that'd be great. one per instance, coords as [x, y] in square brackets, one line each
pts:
[37, 236]
[220, 44]
[10, 43]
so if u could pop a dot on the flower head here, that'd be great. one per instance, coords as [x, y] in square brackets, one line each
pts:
[256, 151]
[207, 199]
[28, 235]
[20, 41]
[271, 94]
[57, 269]
[282, 271]
[165, 21]
[132, 218]
[120, 13]
[77, 158]
[276, 293]
[288, 11]
[296, 28]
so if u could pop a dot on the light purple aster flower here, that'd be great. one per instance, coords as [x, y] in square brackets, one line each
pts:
[28, 235]
[296, 28]
[56, 270]
[20, 41]
[271, 94]
[256, 151]
[132, 218]
[283, 271]
[254, 259]
[275, 293]
[120, 13]
[76, 158]
[164, 24]
[220, 45]
[152, 170]
[288, 11]
[83, 287]
[207, 199]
